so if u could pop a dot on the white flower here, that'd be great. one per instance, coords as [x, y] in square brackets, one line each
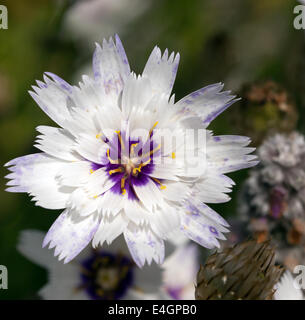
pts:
[111, 179]
[286, 289]
[103, 274]
[92, 20]
[179, 273]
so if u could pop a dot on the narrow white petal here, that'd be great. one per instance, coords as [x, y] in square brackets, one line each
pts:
[110, 66]
[56, 142]
[109, 229]
[74, 174]
[36, 174]
[52, 98]
[162, 70]
[286, 290]
[149, 194]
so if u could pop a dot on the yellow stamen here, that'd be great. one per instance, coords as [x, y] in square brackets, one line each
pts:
[162, 186]
[152, 151]
[153, 127]
[120, 169]
[111, 160]
[95, 196]
[123, 186]
[135, 170]
[91, 171]
[120, 138]
[173, 155]
[98, 135]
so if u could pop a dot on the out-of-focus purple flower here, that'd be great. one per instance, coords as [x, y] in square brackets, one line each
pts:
[179, 273]
[103, 274]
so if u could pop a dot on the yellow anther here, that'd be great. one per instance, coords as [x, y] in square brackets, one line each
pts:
[123, 186]
[162, 186]
[120, 138]
[95, 196]
[153, 127]
[91, 170]
[173, 155]
[120, 169]
[135, 170]
[98, 135]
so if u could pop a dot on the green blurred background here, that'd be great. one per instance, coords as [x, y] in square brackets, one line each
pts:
[232, 41]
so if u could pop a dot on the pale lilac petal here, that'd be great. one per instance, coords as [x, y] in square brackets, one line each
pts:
[206, 103]
[200, 228]
[110, 66]
[61, 82]
[70, 235]
[144, 245]
[162, 70]
[54, 98]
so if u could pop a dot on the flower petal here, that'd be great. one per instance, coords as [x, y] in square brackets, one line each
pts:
[200, 228]
[110, 66]
[286, 290]
[144, 245]
[109, 229]
[53, 99]
[36, 174]
[206, 103]
[162, 70]
[183, 258]
[30, 245]
[56, 142]
[70, 235]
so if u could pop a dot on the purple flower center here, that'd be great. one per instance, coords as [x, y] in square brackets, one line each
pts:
[107, 276]
[130, 162]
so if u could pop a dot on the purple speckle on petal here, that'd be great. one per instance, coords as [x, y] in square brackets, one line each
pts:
[213, 230]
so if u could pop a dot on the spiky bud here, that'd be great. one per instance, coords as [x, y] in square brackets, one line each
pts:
[245, 271]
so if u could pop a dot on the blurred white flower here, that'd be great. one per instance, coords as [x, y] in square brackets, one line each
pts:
[179, 273]
[104, 274]
[109, 167]
[286, 289]
[92, 20]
